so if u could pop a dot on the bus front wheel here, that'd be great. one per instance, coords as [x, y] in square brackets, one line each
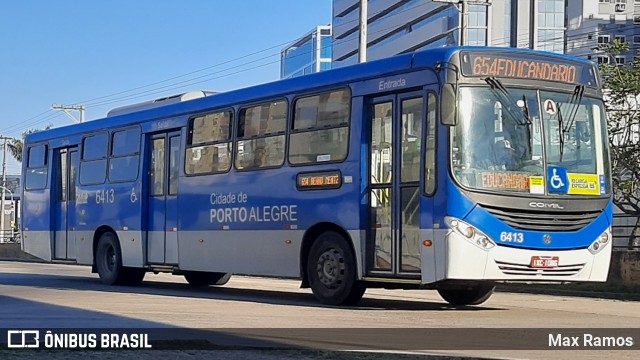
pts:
[331, 270]
[201, 278]
[109, 263]
[468, 295]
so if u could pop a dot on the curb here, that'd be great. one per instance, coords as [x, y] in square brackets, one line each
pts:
[36, 260]
[601, 294]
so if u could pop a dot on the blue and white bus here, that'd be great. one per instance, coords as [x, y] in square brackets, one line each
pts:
[449, 169]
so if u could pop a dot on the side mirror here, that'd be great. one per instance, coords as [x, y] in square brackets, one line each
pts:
[448, 104]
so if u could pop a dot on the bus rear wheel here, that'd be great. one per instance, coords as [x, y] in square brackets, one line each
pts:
[331, 271]
[109, 263]
[469, 295]
[201, 278]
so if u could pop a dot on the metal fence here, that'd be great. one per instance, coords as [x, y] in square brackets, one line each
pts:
[9, 236]
[622, 232]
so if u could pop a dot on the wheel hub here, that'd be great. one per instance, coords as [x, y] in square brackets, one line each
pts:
[111, 258]
[330, 268]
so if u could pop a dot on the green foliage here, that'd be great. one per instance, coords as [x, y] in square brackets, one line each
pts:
[622, 98]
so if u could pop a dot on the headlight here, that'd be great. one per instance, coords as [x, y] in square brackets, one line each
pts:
[601, 242]
[469, 232]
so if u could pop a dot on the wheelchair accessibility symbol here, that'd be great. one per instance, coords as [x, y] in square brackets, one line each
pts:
[557, 179]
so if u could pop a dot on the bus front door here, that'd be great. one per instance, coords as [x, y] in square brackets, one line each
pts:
[64, 240]
[394, 195]
[162, 219]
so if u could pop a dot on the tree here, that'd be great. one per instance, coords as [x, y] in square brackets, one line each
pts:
[622, 100]
[15, 145]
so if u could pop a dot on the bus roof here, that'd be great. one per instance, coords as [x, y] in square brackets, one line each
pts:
[335, 77]
[159, 102]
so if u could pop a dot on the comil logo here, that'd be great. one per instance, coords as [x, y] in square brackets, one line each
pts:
[542, 205]
[23, 339]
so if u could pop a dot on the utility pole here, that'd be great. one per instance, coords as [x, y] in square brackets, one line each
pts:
[4, 183]
[364, 18]
[67, 110]
[463, 22]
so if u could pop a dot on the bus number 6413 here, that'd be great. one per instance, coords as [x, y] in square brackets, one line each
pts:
[512, 237]
[105, 196]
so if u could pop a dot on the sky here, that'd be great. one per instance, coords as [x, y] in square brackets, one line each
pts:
[106, 54]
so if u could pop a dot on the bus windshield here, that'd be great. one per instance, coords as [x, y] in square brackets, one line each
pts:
[529, 141]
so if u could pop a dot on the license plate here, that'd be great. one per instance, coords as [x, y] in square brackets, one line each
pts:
[544, 262]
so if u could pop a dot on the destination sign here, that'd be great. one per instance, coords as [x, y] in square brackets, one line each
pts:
[319, 180]
[526, 66]
[503, 180]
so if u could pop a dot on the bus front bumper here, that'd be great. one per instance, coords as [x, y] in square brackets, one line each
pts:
[467, 259]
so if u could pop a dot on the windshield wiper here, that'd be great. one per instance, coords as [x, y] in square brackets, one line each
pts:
[529, 123]
[503, 95]
[561, 132]
[574, 103]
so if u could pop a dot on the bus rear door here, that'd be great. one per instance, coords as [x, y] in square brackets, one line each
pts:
[162, 219]
[64, 240]
[395, 198]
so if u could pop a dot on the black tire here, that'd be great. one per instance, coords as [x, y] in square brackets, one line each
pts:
[201, 278]
[109, 259]
[470, 295]
[109, 263]
[331, 271]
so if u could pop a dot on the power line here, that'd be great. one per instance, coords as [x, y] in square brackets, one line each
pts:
[207, 77]
[174, 87]
[191, 81]
[19, 128]
[28, 121]
[88, 102]
[189, 73]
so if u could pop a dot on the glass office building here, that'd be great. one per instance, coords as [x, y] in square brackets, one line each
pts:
[309, 54]
[401, 26]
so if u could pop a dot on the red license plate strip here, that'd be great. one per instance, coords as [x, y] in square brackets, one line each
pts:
[544, 262]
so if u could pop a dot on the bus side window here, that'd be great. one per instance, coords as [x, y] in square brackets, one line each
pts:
[320, 129]
[209, 146]
[125, 155]
[93, 167]
[37, 170]
[261, 136]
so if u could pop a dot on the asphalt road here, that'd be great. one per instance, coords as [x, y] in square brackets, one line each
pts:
[35, 295]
